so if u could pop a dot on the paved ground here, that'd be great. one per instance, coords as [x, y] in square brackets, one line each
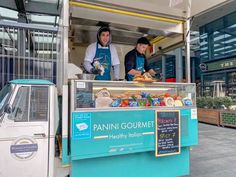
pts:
[60, 171]
[215, 156]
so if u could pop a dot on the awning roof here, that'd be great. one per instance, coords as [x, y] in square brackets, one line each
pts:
[175, 8]
[166, 16]
[44, 12]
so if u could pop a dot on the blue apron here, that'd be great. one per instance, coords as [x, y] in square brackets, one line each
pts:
[139, 66]
[105, 61]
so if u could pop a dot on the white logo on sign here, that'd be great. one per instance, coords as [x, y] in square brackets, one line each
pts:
[82, 126]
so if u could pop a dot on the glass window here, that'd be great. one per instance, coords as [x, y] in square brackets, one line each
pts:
[208, 91]
[230, 19]
[232, 78]
[230, 29]
[204, 55]
[156, 65]
[231, 85]
[39, 103]
[208, 79]
[170, 67]
[217, 39]
[20, 106]
[4, 95]
[100, 95]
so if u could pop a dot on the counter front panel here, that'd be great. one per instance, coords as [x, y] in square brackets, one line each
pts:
[108, 133]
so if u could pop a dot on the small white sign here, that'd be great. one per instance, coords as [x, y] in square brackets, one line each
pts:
[80, 85]
[24, 148]
[193, 113]
[190, 96]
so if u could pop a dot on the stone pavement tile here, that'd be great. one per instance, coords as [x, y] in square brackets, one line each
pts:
[215, 155]
[223, 173]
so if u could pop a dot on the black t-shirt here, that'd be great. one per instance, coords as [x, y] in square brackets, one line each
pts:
[130, 61]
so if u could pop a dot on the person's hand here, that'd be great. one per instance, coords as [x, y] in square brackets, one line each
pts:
[152, 72]
[134, 72]
[95, 71]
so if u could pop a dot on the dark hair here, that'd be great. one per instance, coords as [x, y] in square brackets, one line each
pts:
[143, 40]
[103, 29]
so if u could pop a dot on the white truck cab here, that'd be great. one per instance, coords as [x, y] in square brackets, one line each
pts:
[28, 114]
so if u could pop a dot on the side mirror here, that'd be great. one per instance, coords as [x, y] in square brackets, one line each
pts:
[8, 109]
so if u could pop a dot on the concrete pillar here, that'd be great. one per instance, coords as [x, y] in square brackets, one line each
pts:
[210, 47]
[21, 35]
[62, 46]
[193, 70]
[163, 68]
[187, 50]
[179, 64]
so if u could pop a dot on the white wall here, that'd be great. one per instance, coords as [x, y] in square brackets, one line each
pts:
[76, 54]
[122, 50]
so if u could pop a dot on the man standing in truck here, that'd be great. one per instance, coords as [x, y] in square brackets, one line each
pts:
[135, 60]
[101, 56]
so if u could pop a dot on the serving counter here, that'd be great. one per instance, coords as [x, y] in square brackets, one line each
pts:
[130, 129]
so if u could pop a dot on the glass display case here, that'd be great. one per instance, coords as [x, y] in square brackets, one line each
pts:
[130, 95]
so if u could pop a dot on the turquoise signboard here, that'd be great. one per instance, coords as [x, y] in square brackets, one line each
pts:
[107, 133]
[111, 133]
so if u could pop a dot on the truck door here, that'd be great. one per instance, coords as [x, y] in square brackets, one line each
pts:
[24, 140]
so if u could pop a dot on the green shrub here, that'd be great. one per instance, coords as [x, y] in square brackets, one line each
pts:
[214, 103]
[227, 101]
[201, 103]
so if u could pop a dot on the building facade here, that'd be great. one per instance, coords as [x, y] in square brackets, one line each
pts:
[218, 54]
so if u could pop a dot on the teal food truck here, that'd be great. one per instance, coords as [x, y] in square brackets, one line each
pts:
[109, 128]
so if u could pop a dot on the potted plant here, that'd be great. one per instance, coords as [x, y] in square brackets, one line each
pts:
[209, 109]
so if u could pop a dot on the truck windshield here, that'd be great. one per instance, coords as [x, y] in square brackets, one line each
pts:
[4, 97]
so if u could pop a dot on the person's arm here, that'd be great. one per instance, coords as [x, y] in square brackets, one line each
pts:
[89, 56]
[114, 56]
[88, 66]
[152, 72]
[148, 68]
[134, 72]
[116, 72]
[130, 64]
[115, 62]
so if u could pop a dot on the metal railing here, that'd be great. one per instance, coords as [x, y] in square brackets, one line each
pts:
[28, 51]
